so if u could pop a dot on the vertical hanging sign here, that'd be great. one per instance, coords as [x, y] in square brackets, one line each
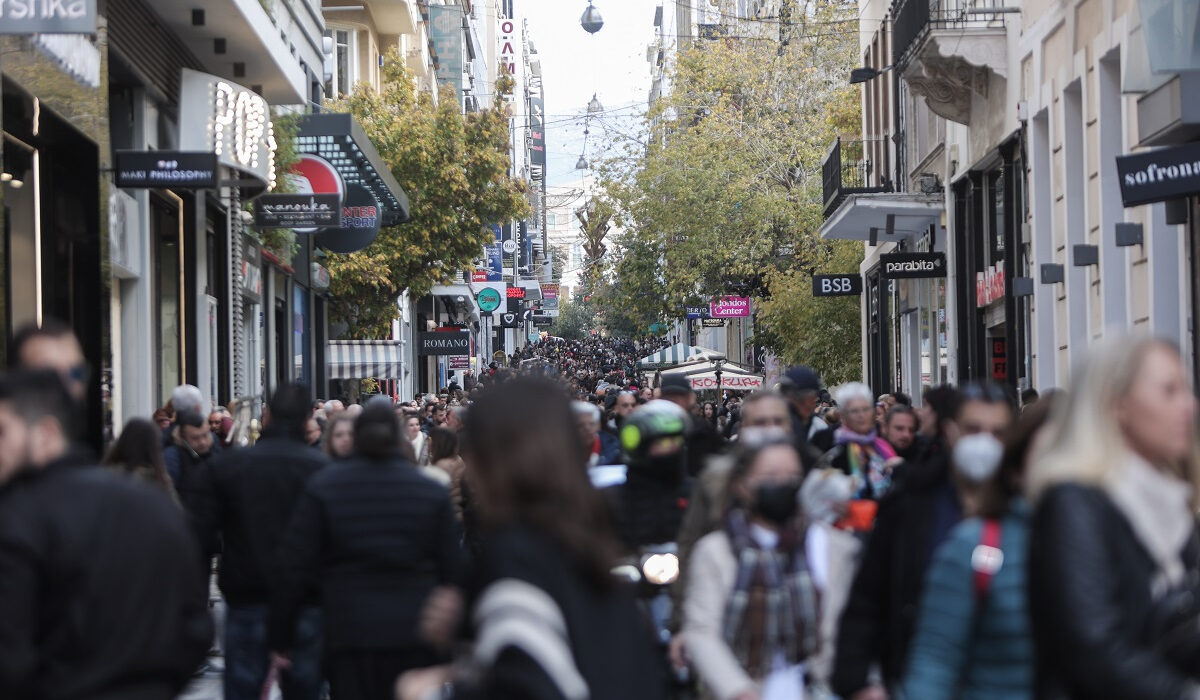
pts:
[446, 23]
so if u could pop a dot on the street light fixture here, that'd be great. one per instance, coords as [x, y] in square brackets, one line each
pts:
[862, 75]
[581, 164]
[591, 21]
[594, 107]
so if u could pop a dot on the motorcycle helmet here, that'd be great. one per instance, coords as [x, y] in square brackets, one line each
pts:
[653, 437]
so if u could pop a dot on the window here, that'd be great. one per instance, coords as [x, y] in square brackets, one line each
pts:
[343, 64]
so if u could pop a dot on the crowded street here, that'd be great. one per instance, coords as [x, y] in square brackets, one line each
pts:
[599, 350]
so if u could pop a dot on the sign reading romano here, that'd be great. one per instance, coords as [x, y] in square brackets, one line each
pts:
[48, 17]
[305, 211]
[165, 169]
[1159, 175]
[913, 265]
[444, 343]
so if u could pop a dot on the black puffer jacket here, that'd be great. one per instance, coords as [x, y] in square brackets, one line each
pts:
[1090, 583]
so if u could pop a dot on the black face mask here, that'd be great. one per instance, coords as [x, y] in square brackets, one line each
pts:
[777, 503]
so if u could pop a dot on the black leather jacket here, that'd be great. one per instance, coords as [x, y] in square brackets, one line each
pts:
[1090, 596]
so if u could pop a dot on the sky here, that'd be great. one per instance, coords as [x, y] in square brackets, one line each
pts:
[611, 63]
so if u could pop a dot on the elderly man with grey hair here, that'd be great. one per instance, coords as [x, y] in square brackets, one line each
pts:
[858, 451]
[603, 447]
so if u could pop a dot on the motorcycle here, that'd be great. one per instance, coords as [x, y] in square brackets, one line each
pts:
[651, 573]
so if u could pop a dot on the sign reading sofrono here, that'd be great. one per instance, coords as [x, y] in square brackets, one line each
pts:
[1159, 175]
[229, 120]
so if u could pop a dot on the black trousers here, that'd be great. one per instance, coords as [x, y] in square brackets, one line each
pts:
[370, 674]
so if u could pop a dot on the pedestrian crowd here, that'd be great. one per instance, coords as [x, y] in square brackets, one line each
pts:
[569, 527]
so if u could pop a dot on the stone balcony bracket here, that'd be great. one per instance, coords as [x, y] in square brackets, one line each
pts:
[953, 64]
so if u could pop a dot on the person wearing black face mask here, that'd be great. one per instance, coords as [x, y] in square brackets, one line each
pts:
[750, 615]
[649, 507]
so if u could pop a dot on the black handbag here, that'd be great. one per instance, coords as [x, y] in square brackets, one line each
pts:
[1174, 624]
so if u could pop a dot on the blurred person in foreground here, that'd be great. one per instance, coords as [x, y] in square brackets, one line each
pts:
[101, 591]
[375, 538]
[859, 451]
[52, 345]
[751, 611]
[973, 638]
[1116, 559]
[913, 519]
[550, 619]
[245, 508]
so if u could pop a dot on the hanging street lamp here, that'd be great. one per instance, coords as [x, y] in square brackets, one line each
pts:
[591, 21]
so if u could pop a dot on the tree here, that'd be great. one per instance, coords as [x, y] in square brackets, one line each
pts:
[454, 169]
[725, 189]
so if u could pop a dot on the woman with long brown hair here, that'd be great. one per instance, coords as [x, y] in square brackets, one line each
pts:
[138, 452]
[550, 619]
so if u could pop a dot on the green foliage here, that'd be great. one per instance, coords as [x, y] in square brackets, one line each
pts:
[575, 320]
[454, 169]
[282, 242]
[726, 188]
[823, 332]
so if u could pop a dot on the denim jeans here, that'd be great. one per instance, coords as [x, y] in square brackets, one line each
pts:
[247, 658]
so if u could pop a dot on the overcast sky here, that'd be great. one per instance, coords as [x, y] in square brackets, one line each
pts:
[611, 63]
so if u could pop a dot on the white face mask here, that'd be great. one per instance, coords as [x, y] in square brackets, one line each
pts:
[977, 457]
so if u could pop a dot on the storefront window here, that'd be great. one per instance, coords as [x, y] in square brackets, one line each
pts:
[344, 73]
[300, 334]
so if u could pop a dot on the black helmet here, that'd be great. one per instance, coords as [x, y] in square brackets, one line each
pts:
[654, 421]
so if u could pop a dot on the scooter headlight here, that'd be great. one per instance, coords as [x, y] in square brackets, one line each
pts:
[661, 569]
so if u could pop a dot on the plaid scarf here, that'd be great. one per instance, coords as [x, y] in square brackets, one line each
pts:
[773, 608]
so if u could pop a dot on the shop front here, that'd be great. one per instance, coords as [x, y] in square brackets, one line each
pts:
[54, 126]
[996, 287]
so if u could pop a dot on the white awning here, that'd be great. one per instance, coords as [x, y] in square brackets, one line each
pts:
[676, 354]
[366, 359]
[911, 215]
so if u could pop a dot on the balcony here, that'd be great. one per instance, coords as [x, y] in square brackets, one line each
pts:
[951, 51]
[845, 171]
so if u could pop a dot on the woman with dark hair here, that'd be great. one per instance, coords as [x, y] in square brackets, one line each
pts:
[377, 538]
[550, 619]
[138, 453]
[338, 442]
[443, 455]
[973, 637]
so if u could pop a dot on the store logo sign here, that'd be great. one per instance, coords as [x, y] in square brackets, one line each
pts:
[837, 285]
[231, 121]
[730, 307]
[444, 343]
[297, 211]
[47, 16]
[165, 169]
[913, 265]
[1159, 175]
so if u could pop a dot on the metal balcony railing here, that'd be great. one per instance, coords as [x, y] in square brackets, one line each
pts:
[912, 20]
[846, 170]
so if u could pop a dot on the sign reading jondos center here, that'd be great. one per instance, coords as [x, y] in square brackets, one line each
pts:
[444, 343]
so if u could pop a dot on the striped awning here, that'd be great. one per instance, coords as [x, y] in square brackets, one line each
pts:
[677, 354]
[366, 359]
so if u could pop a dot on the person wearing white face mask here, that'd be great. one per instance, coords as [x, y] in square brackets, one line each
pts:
[973, 638]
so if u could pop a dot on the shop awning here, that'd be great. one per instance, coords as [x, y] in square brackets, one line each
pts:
[366, 359]
[910, 214]
[337, 137]
[677, 354]
[703, 375]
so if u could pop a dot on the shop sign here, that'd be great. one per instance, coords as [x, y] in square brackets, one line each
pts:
[229, 120]
[360, 223]
[696, 311]
[495, 264]
[165, 170]
[48, 17]
[298, 211]
[488, 300]
[320, 277]
[478, 275]
[736, 382]
[446, 35]
[543, 321]
[459, 362]
[123, 227]
[549, 291]
[1159, 175]
[913, 265]
[550, 304]
[989, 285]
[837, 285]
[537, 133]
[999, 360]
[510, 320]
[713, 323]
[444, 343]
[251, 270]
[730, 307]
[516, 292]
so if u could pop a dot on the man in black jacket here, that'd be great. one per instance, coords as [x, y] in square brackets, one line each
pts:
[101, 591]
[247, 504]
[913, 519]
